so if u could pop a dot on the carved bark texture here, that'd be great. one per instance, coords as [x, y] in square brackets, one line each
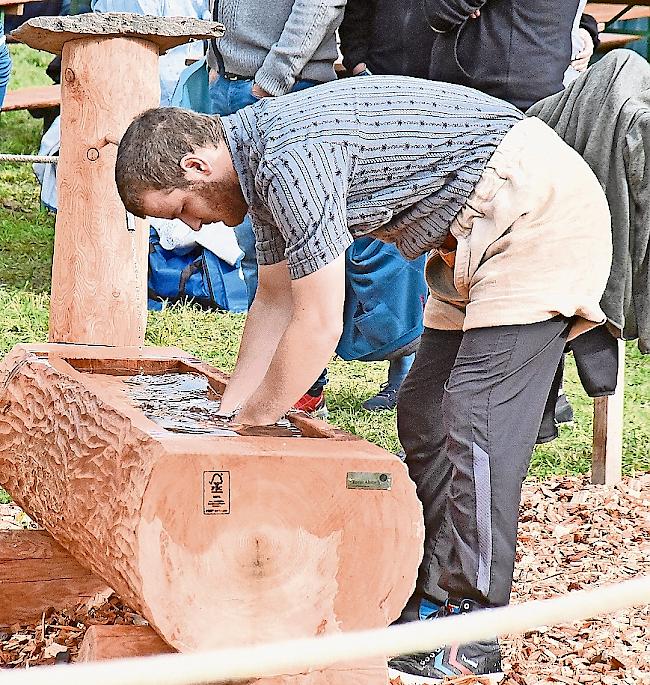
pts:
[217, 541]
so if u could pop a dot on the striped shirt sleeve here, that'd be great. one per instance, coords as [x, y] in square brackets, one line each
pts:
[305, 190]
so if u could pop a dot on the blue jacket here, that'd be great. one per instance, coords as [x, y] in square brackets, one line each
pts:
[384, 301]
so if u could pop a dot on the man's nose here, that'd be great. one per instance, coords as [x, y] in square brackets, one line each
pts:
[194, 224]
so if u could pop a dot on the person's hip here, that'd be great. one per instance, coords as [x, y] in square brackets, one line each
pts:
[534, 240]
[230, 92]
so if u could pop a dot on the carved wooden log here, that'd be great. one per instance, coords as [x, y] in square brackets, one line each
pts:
[217, 541]
[37, 573]
[109, 76]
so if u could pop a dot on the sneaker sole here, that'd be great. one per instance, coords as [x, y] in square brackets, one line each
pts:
[321, 413]
[410, 679]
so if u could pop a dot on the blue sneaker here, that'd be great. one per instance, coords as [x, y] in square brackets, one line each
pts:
[385, 399]
[471, 659]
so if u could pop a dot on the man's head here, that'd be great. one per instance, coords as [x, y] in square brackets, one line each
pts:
[174, 164]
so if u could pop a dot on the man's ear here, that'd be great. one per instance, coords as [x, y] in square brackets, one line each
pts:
[196, 167]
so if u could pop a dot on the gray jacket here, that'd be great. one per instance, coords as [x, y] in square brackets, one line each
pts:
[605, 116]
[277, 42]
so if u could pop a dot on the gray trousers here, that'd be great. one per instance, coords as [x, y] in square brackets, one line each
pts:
[468, 416]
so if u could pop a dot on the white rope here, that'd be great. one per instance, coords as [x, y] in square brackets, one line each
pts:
[298, 656]
[33, 159]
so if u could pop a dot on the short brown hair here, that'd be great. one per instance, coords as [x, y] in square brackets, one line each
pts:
[149, 154]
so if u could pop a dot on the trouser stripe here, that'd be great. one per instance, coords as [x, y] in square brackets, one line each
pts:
[483, 494]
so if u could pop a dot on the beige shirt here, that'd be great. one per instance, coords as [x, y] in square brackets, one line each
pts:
[534, 241]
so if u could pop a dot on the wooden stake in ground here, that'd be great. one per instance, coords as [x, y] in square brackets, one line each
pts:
[109, 76]
[216, 540]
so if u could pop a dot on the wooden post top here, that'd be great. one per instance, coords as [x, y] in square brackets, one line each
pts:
[51, 33]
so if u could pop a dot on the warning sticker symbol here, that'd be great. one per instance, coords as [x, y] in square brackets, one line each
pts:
[216, 492]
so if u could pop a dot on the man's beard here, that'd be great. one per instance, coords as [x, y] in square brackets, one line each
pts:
[226, 197]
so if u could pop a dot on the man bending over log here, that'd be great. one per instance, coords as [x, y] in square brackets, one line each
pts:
[520, 241]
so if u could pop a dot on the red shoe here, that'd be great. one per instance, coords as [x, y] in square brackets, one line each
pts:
[313, 404]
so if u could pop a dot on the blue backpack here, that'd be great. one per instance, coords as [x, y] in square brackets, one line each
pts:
[197, 276]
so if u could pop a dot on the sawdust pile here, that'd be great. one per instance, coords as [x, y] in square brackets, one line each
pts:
[572, 535]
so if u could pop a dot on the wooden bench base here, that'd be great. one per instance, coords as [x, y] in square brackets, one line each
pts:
[120, 642]
[36, 573]
[38, 97]
[611, 41]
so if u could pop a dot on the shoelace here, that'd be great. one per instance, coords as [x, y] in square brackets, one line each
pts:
[387, 390]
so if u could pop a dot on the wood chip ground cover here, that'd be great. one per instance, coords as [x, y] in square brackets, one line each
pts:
[572, 535]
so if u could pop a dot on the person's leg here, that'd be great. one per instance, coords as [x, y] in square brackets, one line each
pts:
[227, 97]
[386, 398]
[492, 405]
[219, 96]
[398, 369]
[422, 435]
[492, 409]
[246, 240]
[5, 70]
[313, 401]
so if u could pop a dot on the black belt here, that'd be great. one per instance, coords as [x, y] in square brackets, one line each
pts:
[234, 77]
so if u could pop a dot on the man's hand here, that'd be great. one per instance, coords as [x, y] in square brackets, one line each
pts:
[475, 15]
[581, 61]
[266, 322]
[259, 92]
[360, 69]
[306, 346]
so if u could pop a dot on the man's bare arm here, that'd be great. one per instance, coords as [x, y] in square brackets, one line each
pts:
[306, 346]
[265, 325]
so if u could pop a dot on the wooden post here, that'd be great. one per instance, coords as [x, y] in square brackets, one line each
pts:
[109, 76]
[607, 458]
[99, 277]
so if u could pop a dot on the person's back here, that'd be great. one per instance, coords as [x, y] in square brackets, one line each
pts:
[343, 136]
[387, 36]
[277, 43]
[515, 50]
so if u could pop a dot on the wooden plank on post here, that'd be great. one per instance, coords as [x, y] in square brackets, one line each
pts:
[14, 7]
[607, 458]
[35, 97]
[36, 573]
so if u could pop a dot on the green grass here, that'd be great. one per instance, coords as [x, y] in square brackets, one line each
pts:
[26, 235]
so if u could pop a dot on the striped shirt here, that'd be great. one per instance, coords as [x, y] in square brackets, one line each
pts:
[394, 157]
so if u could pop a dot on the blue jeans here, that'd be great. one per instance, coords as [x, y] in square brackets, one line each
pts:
[228, 97]
[5, 71]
